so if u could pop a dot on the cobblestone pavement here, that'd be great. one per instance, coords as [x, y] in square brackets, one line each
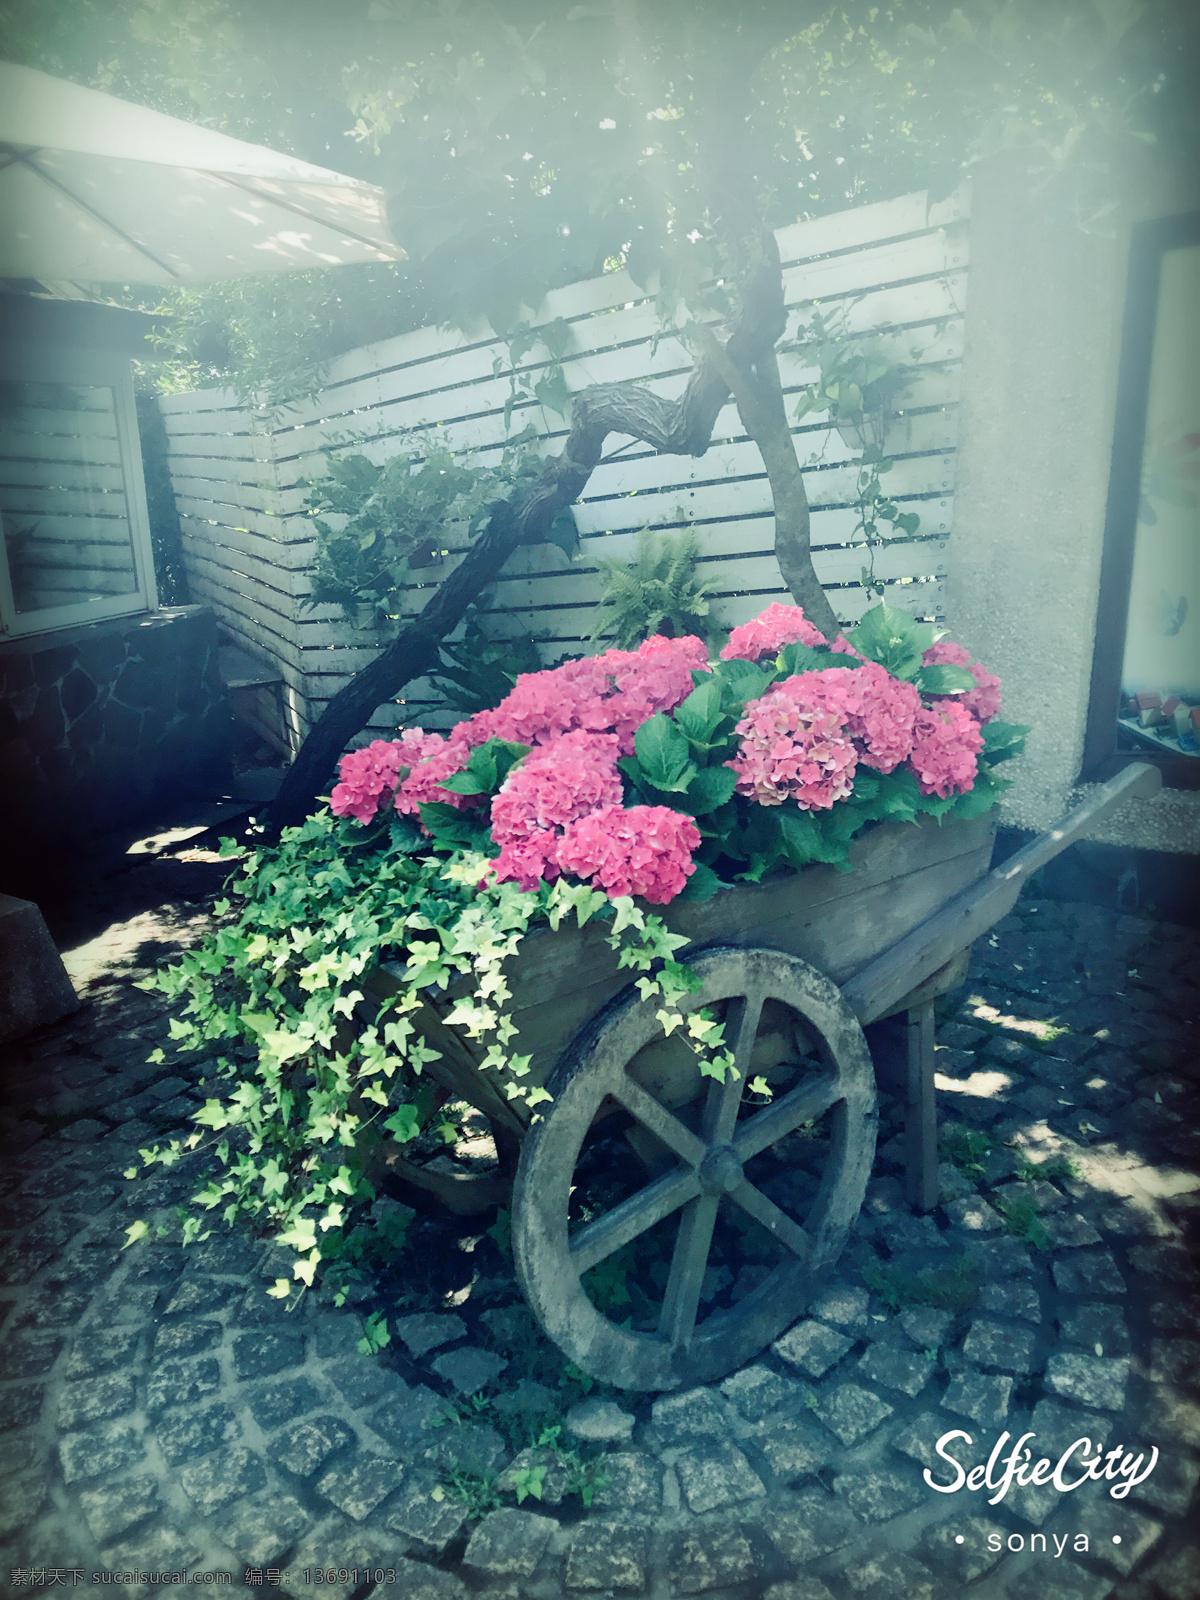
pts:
[158, 1413]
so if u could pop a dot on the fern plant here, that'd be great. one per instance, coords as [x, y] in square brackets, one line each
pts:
[659, 592]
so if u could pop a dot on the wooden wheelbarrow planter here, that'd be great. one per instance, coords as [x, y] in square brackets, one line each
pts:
[796, 967]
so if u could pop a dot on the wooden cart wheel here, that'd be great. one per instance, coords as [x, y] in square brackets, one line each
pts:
[707, 1169]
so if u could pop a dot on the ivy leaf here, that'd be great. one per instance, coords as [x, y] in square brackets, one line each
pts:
[944, 679]
[891, 637]
[403, 1124]
[1003, 740]
[663, 754]
[135, 1231]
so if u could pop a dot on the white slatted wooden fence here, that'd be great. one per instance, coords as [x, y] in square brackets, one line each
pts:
[897, 269]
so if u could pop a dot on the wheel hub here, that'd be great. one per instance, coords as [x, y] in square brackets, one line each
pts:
[720, 1172]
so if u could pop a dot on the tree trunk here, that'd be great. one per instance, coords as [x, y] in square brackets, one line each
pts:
[673, 427]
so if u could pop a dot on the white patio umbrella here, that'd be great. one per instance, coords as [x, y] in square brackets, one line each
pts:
[97, 190]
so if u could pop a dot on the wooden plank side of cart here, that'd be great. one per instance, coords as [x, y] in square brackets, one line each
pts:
[902, 873]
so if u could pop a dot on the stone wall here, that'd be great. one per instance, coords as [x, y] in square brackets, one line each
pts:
[101, 724]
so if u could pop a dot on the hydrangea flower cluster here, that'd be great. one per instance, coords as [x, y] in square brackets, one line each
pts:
[767, 634]
[946, 745]
[556, 785]
[560, 809]
[642, 850]
[794, 744]
[983, 702]
[777, 626]
[611, 693]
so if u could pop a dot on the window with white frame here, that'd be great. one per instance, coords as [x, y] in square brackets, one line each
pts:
[74, 537]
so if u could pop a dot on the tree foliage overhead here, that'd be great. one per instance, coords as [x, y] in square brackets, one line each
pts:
[524, 146]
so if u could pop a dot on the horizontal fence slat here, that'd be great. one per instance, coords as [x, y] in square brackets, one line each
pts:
[896, 271]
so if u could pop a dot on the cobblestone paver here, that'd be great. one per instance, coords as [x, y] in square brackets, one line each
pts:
[158, 1412]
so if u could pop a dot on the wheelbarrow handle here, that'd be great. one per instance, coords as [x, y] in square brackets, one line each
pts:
[880, 987]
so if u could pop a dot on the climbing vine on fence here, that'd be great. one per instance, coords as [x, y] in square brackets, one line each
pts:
[859, 385]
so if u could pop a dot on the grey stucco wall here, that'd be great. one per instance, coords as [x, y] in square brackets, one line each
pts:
[1043, 336]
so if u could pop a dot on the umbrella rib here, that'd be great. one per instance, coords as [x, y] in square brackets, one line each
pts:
[301, 211]
[104, 221]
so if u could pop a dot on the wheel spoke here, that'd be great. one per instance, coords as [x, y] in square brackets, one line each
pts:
[632, 1217]
[788, 1233]
[804, 1104]
[688, 1262]
[659, 1120]
[741, 1030]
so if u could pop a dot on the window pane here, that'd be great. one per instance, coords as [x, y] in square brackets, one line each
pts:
[62, 496]
[1160, 680]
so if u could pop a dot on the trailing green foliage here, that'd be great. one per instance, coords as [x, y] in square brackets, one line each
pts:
[659, 592]
[967, 1148]
[316, 1072]
[399, 515]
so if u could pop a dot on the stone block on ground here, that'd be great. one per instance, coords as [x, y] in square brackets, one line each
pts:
[361, 1484]
[851, 1412]
[959, 1546]
[113, 1509]
[599, 1421]
[281, 1402]
[716, 1474]
[925, 1327]
[1011, 1300]
[263, 1531]
[215, 1481]
[415, 1581]
[36, 990]
[608, 1556]
[844, 1305]
[982, 1397]
[1091, 1380]
[709, 1558]
[408, 1417]
[508, 1544]
[759, 1394]
[904, 1370]
[794, 1448]
[810, 1525]
[695, 1413]
[194, 1433]
[877, 1494]
[1088, 1274]
[421, 1515]
[1000, 1344]
[426, 1331]
[634, 1483]
[101, 1452]
[20, 1501]
[812, 1346]
[891, 1576]
[161, 1549]
[469, 1368]
[307, 1445]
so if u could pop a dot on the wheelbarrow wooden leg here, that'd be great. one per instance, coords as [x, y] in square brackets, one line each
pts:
[920, 1122]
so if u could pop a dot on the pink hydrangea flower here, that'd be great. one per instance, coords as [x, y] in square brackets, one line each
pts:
[610, 693]
[946, 748]
[366, 776]
[434, 756]
[880, 711]
[645, 850]
[767, 634]
[983, 702]
[795, 743]
[556, 784]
